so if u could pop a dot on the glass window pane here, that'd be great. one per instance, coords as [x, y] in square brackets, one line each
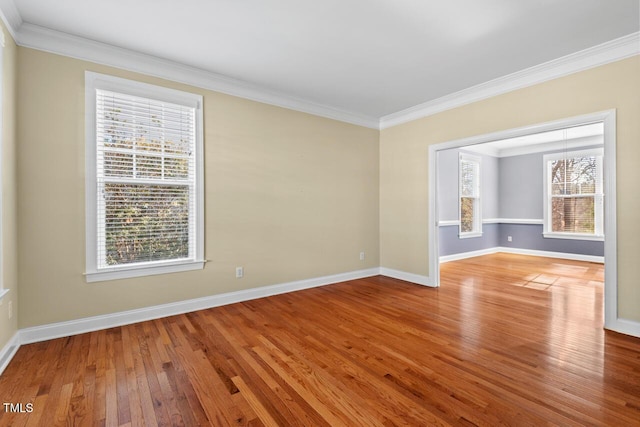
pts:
[177, 168]
[148, 166]
[468, 178]
[573, 214]
[118, 164]
[467, 206]
[575, 175]
[145, 223]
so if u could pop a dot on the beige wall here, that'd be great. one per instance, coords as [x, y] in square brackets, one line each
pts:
[289, 196]
[8, 327]
[404, 160]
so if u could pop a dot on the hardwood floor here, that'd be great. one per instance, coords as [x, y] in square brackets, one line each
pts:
[506, 340]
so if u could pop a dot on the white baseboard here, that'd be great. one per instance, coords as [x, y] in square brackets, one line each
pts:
[562, 255]
[518, 251]
[465, 255]
[62, 329]
[409, 277]
[625, 326]
[89, 324]
[9, 350]
[521, 221]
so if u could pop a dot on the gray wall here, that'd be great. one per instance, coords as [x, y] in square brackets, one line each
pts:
[450, 244]
[529, 236]
[511, 188]
[490, 193]
[520, 187]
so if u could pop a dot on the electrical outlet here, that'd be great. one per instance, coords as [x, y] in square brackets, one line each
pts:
[239, 272]
[10, 309]
[509, 239]
[361, 256]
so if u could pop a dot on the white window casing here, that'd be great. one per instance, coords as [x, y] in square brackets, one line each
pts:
[469, 200]
[144, 179]
[573, 195]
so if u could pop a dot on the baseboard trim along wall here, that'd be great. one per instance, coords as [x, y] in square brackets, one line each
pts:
[627, 327]
[9, 350]
[95, 323]
[532, 252]
[465, 255]
[623, 326]
[561, 255]
[89, 324]
[409, 277]
[451, 222]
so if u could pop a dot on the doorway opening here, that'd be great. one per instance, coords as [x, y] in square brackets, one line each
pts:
[547, 218]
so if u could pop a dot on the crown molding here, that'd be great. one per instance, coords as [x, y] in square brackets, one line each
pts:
[614, 50]
[10, 16]
[40, 38]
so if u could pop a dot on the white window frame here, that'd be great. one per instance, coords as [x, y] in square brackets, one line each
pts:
[94, 82]
[598, 235]
[477, 211]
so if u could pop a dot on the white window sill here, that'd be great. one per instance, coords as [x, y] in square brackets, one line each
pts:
[127, 272]
[3, 292]
[470, 235]
[574, 236]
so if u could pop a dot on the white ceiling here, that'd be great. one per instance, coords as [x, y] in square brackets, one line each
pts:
[367, 57]
[587, 135]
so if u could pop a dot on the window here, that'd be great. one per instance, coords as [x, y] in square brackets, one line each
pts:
[469, 191]
[144, 179]
[573, 195]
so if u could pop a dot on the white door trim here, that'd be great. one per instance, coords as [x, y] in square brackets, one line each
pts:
[607, 117]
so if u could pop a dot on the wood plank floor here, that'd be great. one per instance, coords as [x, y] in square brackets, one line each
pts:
[506, 340]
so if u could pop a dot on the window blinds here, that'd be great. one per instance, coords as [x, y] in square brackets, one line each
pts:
[469, 195]
[469, 178]
[576, 191]
[145, 180]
